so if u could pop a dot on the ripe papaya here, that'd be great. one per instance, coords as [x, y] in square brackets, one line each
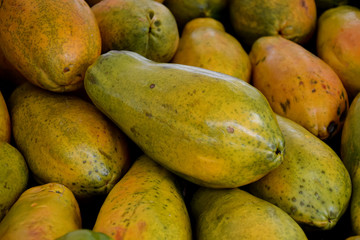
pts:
[145, 204]
[14, 175]
[68, 140]
[43, 212]
[204, 43]
[299, 85]
[143, 26]
[312, 184]
[50, 42]
[210, 128]
[5, 124]
[236, 214]
[294, 20]
[350, 154]
[337, 43]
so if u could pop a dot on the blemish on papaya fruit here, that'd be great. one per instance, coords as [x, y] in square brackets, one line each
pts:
[343, 114]
[284, 106]
[151, 14]
[157, 23]
[230, 129]
[152, 85]
[331, 128]
[66, 69]
[148, 114]
[293, 209]
[314, 90]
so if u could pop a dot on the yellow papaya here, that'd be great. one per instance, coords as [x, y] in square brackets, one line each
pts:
[43, 212]
[236, 214]
[5, 124]
[204, 43]
[143, 26]
[145, 204]
[337, 43]
[14, 176]
[350, 154]
[68, 140]
[294, 20]
[50, 42]
[312, 184]
[210, 128]
[299, 85]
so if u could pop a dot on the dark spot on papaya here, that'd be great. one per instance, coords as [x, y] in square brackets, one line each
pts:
[157, 23]
[148, 114]
[301, 83]
[151, 14]
[152, 85]
[79, 75]
[314, 90]
[57, 191]
[285, 105]
[343, 114]
[338, 110]
[293, 199]
[302, 203]
[66, 69]
[331, 128]
[230, 130]
[293, 209]
[330, 189]
[300, 192]
[313, 81]
[104, 154]
[84, 161]
[73, 184]
[303, 4]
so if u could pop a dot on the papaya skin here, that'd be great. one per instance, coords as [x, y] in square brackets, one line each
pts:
[84, 234]
[145, 204]
[299, 85]
[51, 42]
[294, 20]
[42, 212]
[350, 154]
[236, 214]
[67, 140]
[14, 175]
[5, 124]
[204, 43]
[210, 128]
[142, 26]
[337, 44]
[312, 184]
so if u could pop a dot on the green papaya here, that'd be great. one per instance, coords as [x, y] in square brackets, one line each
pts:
[146, 203]
[84, 234]
[210, 128]
[43, 212]
[66, 139]
[14, 175]
[312, 184]
[350, 154]
[236, 214]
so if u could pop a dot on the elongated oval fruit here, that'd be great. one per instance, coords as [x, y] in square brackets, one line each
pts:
[312, 184]
[67, 140]
[50, 42]
[350, 154]
[43, 212]
[145, 204]
[236, 214]
[210, 128]
[299, 85]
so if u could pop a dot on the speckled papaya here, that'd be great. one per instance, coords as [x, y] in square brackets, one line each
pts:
[350, 154]
[43, 212]
[143, 26]
[84, 234]
[145, 204]
[312, 184]
[204, 43]
[5, 124]
[294, 20]
[14, 175]
[337, 43]
[236, 214]
[210, 128]
[67, 140]
[50, 42]
[299, 85]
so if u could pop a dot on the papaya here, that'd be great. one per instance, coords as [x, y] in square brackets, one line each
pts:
[14, 175]
[312, 184]
[187, 10]
[299, 85]
[236, 214]
[205, 43]
[84, 234]
[66, 139]
[337, 44]
[145, 204]
[142, 26]
[210, 128]
[43, 212]
[51, 43]
[350, 155]
[294, 20]
[5, 124]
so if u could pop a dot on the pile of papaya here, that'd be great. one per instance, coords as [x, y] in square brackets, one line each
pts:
[168, 119]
